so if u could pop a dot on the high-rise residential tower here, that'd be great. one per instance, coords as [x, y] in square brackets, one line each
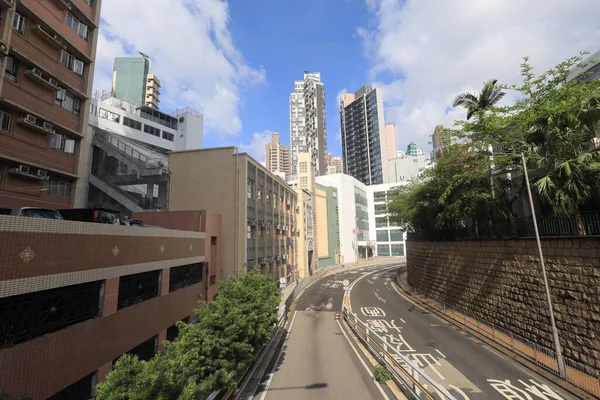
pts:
[277, 156]
[47, 49]
[390, 141]
[133, 82]
[440, 140]
[308, 130]
[363, 141]
[334, 165]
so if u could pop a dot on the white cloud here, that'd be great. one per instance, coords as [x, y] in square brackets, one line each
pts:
[437, 49]
[192, 54]
[256, 147]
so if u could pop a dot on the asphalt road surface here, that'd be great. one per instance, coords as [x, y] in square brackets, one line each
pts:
[469, 369]
[317, 362]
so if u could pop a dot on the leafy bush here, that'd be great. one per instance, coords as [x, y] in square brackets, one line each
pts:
[205, 356]
[381, 374]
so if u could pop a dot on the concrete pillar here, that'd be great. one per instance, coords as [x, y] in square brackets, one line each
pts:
[162, 336]
[165, 281]
[150, 194]
[163, 192]
[111, 296]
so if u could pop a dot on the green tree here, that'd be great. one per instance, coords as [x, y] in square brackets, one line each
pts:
[207, 355]
[477, 104]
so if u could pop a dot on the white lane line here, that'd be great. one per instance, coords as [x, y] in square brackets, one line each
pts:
[459, 391]
[272, 374]
[362, 362]
[440, 353]
[362, 277]
[403, 321]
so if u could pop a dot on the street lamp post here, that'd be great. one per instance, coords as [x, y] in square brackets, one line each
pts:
[559, 357]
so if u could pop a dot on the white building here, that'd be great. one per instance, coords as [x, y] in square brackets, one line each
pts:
[390, 240]
[406, 168]
[353, 206]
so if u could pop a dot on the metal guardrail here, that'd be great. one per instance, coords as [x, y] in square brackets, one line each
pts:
[125, 148]
[580, 375]
[406, 372]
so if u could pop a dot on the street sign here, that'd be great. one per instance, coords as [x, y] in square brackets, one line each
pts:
[346, 282]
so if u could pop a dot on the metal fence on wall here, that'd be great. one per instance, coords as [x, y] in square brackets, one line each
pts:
[582, 224]
[580, 375]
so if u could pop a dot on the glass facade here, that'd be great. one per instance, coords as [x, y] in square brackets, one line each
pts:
[361, 140]
[130, 79]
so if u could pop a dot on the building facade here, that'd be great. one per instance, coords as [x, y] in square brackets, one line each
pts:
[353, 221]
[307, 185]
[390, 239]
[308, 129]
[133, 82]
[588, 70]
[328, 225]
[440, 140]
[390, 141]
[407, 168]
[334, 164]
[363, 135]
[259, 210]
[277, 156]
[75, 296]
[47, 52]
[413, 151]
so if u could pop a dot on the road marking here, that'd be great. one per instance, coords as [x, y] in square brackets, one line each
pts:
[272, 374]
[362, 277]
[463, 394]
[440, 353]
[403, 321]
[362, 362]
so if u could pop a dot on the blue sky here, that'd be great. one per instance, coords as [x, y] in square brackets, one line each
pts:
[235, 61]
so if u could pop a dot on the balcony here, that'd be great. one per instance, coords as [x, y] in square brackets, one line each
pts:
[52, 39]
[36, 76]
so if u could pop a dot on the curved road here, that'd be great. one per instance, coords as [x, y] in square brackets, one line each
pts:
[469, 369]
[317, 361]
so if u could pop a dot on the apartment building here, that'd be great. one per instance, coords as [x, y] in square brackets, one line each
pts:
[47, 50]
[390, 141]
[277, 156]
[75, 296]
[308, 128]
[407, 168]
[363, 135]
[334, 164]
[440, 139]
[390, 239]
[259, 210]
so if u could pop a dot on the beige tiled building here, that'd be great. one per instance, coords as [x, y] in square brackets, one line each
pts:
[334, 164]
[277, 156]
[259, 217]
[308, 253]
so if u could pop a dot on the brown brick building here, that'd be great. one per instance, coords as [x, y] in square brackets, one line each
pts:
[76, 296]
[47, 49]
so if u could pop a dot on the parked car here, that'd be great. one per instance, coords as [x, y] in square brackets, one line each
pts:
[96, 215]
[33, 212]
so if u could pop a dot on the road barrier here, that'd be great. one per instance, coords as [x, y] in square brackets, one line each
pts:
[415, 381]
[582, 376]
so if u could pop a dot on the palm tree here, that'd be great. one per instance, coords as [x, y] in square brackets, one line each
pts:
[477, 104]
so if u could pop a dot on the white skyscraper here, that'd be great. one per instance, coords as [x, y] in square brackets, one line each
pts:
[308, 132]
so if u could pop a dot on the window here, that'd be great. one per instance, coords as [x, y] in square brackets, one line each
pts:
[249, 232]
[184, 276]
[132, 123]
[303, 182]
[60, 142]
[4, 121]
[250, 187]
[152, 130]
[19, 23]
[67, 101]
[57, 188]
[11, 69]
[69, 61]
[303, 167]
[111, 116]
[77, 26]
[56, 141]
[259, 192]
[168, 136]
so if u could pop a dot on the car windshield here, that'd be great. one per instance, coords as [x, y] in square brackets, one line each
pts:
[41, 213]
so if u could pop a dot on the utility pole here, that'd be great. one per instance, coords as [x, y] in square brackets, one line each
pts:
[559, 357]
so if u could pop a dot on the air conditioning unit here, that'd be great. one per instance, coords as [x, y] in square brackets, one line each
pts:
[3, 48]
[289, 202]
[52, 81]
[42, 173]
[36, 72]
[23, 169]
[30, 118]
[47, 126]
[251, 263]
[57, 39]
